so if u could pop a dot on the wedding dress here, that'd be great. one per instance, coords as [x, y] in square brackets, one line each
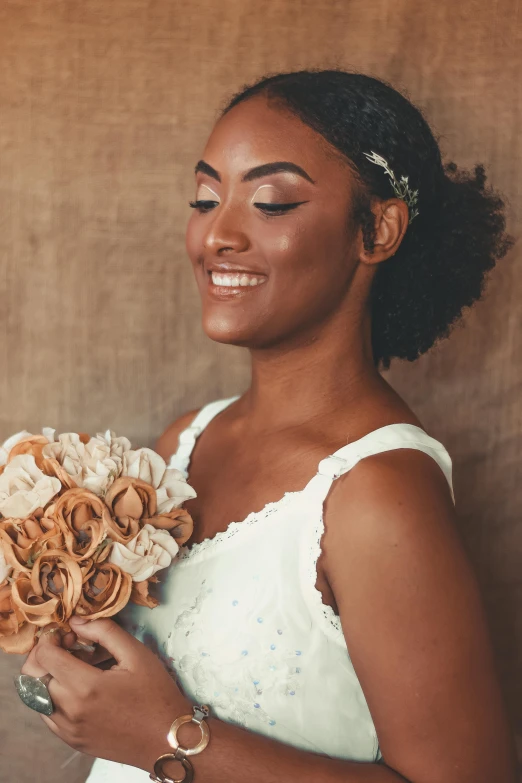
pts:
[243, 628]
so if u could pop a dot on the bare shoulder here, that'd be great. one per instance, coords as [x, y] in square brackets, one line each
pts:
[167, 444]
[391, 492]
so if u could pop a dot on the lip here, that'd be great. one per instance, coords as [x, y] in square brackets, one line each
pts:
[226, 267]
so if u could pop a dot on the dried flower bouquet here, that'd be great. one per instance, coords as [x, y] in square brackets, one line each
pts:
[85, 525]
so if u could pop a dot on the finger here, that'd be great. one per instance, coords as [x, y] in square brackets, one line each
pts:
[50, 635]
[60, 727]
[31, 665]
[101, 655]
[63, 666]
[69, 640]
[53, 726]
[61, 698]
[120, 644]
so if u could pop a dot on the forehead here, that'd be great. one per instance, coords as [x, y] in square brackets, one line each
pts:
[257, 132]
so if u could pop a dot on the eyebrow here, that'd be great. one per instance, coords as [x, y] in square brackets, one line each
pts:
[258, 171]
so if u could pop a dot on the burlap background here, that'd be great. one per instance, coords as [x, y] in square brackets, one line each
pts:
[104, 107]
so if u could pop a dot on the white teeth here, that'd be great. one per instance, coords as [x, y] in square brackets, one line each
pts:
[236, 281]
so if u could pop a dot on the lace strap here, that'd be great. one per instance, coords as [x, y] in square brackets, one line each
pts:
[389, 438]
[188, 437]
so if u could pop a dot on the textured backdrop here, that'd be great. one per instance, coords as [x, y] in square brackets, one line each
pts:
[104, 108]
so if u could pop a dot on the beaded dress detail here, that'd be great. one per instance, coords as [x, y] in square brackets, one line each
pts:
[243, 628]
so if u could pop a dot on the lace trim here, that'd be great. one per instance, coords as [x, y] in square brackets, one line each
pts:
[188, 553]
[332, 621]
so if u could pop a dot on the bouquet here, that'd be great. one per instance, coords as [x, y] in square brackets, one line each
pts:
[86, 523]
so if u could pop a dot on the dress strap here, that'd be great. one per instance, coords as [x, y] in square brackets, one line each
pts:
[188, 437]
[389, 438]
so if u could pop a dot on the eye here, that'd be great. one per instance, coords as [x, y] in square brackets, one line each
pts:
[203, 205]
[277, 209]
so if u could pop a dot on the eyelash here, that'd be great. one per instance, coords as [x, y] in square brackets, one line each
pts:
[269, 210]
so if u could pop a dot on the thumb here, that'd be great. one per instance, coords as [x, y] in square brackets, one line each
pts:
[120, 644]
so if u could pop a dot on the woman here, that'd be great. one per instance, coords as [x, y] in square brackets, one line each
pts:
[327, 238]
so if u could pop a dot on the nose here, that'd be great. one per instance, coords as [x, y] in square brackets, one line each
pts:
[225, 234]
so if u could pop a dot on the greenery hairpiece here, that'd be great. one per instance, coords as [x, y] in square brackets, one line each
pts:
[401, 187]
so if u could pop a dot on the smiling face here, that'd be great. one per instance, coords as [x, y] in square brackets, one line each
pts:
[271, 240]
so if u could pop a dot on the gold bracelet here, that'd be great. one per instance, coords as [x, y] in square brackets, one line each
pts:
[181, 754]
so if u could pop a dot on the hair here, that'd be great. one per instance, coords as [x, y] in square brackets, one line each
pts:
[441, 265]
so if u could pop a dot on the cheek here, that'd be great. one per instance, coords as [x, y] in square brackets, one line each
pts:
[307, 253]
[311, 266]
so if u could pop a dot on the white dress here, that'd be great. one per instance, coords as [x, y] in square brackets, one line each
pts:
[244, 629]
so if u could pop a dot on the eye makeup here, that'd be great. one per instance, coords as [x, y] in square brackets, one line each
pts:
[266, 200]
[205, 193]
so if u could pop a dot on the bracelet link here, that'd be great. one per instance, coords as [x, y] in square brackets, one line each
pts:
[159, 776]
[180, 754]
[198, 717]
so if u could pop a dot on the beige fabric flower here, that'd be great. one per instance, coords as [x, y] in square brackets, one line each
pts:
[146, 554]
[25, 488]
[144, 464]
[117, 446]
[6, 447]
[69, 451]
[93, 463]
[172, 490]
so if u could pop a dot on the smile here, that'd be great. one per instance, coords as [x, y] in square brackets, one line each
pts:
[236, 280]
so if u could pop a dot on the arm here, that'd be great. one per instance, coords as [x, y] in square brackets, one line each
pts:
[415, 631]
[414, 623]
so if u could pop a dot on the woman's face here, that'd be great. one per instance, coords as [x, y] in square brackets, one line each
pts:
[270, 240]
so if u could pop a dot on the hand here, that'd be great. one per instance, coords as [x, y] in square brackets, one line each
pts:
[122, 714]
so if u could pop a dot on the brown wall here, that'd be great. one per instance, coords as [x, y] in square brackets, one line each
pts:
[105, 106]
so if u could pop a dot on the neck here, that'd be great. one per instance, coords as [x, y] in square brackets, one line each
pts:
[327, 369]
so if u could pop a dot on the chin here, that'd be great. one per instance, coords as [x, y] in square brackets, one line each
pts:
[229, 331]
[226, 331]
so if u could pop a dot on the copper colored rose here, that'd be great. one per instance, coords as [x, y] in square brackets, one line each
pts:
[23, 540]
[129, 500]
[106, 590]
[51, 591]
[140, 593]
[16, 635]
[33, 445]
[178, 522]
[84, 520]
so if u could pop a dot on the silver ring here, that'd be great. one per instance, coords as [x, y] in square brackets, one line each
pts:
[34, 692]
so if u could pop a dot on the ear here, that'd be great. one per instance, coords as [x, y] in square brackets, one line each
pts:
[391, 222]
